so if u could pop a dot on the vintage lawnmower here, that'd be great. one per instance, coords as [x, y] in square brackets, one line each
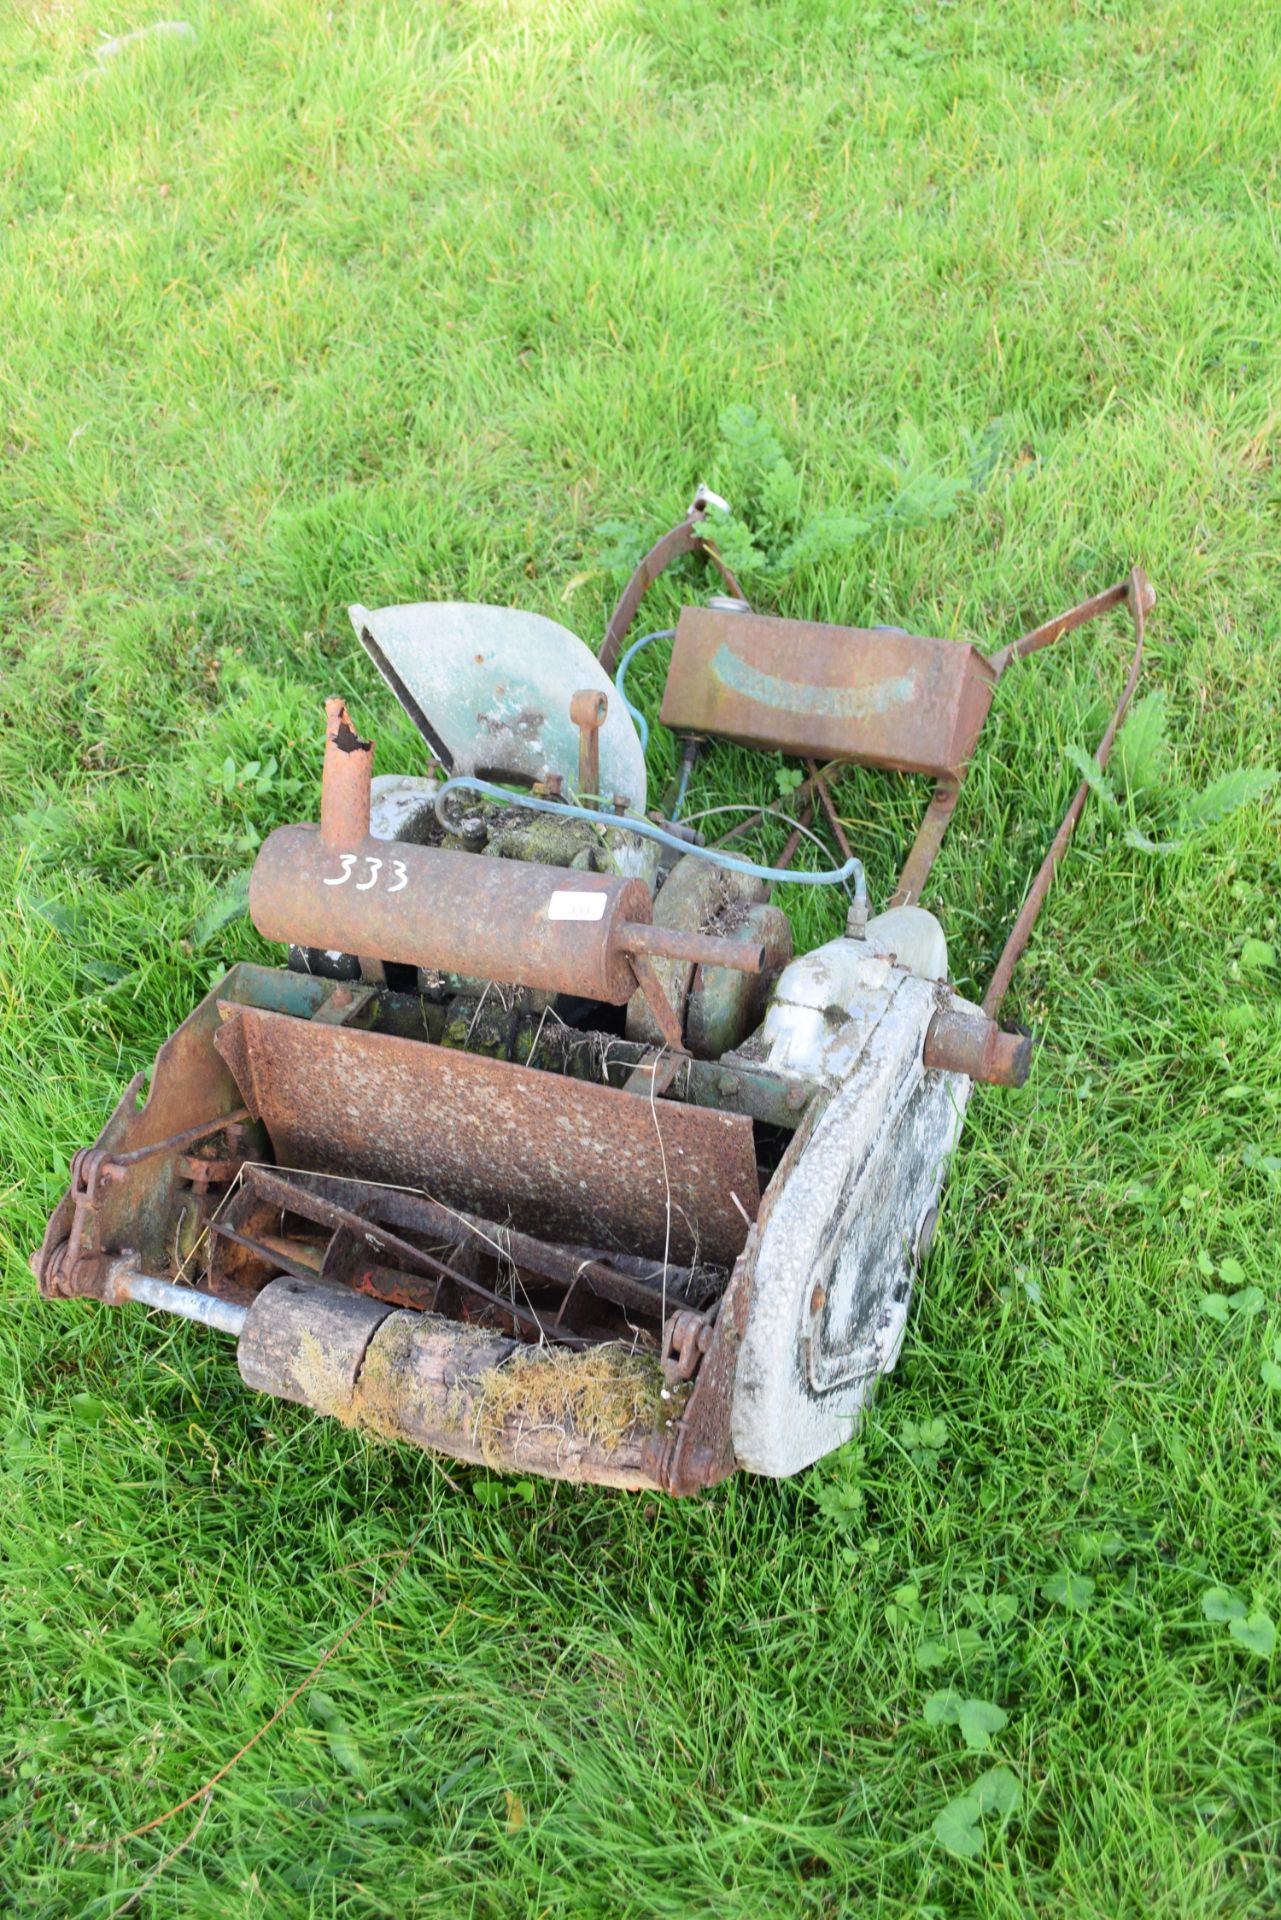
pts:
[545, 1150]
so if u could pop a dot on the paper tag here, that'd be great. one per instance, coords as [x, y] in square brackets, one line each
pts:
[577, 906]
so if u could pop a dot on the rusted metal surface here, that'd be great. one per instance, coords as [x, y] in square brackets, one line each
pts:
[245, 1244]
[686, 1338]
[661, 1011]
[396, 1288]
[737, 1086]
[1064, 623]
[819, 780]
[652, 1076]
[134, 1186]
[345, 784]
[504, 920]
[1140, 598]
[566, 1159]
[959, 1042]
[539, 1290]
[378, 1240]
[557, 1206]
[188, 1068]
[701, 1450]
[684, 538]
[126, 1189]
[699, 949]
[797, 834]
[637, 1284]
[891, 700]
[278, 1257]
[797, 715]
[179, 1142]
[925, 848]
[938, 815]
[510, 921]
[587, 710]
[205, 1171]
[752, 1088]
[343, 1005]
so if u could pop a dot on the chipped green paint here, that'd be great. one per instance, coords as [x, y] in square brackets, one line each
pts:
[802, 696]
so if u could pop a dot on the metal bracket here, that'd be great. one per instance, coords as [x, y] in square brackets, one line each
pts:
[654, 1072]
[683, 538]
[340, 1008]
[660, 1006]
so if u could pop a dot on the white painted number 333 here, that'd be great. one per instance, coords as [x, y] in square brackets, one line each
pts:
[392, 882]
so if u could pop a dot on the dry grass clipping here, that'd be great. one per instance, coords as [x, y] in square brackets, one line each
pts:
[323, 1379]
[391, 1387]
[601, 1396]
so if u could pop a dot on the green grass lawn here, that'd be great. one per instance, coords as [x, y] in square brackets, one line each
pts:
[393, 301]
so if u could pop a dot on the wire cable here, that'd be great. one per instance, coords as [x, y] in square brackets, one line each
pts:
[620, 677]
[632, 823]
[770, 813]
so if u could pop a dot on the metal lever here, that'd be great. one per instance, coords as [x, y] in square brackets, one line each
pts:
[637, 937]
[587, 710]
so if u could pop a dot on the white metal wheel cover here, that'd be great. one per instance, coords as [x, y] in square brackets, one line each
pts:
[833, 1273]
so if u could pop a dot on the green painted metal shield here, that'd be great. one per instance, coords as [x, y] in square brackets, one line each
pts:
[489, 690]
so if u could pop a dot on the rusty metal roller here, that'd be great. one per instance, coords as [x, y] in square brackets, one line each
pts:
[336, 888]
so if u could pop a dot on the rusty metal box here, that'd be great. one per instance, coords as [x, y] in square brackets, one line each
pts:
[884, 699]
